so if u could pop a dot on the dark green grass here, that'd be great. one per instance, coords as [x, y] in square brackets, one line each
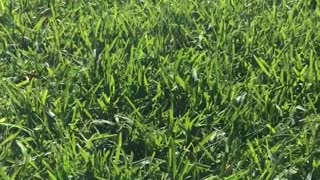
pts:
[159, 90]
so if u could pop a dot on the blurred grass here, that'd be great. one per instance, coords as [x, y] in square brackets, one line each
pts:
[159, 89]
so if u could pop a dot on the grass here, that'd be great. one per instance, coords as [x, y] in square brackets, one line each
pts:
[159, 89]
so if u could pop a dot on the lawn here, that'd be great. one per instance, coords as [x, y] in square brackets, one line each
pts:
[144, 89]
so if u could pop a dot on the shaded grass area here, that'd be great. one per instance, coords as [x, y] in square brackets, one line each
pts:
[159, 89]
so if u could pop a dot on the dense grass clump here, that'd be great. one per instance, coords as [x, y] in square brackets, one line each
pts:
[143, 89]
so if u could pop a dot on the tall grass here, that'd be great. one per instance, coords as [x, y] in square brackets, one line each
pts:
[159, 89]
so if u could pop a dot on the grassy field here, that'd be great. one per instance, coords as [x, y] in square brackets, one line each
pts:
[141, 89]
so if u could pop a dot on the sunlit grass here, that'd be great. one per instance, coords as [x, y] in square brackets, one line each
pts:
[159, 90]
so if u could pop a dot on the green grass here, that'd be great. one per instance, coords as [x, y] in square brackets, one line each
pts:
[145, 89]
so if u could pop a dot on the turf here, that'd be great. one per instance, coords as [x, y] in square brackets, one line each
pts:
[141, 89]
